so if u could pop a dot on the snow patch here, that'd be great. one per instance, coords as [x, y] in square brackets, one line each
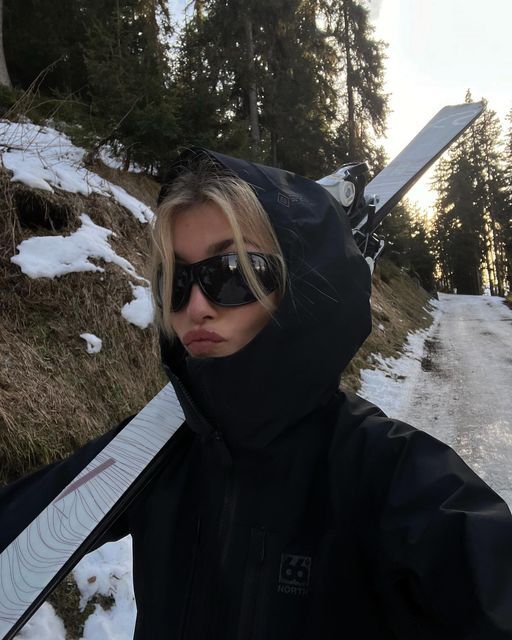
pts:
[108, 571]
[141, 310]
[383, 385]
[30, 180]
[40, 157]
[51, 256]
[44, 625]
[94, 343]
[108, 156]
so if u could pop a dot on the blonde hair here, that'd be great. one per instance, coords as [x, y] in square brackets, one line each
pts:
[245, 215]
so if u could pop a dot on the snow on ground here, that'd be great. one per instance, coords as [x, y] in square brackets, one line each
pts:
[390, 384]
[454, 382]
[140, 311]
[94, 343]
[108, 157]
[108, 571]
[44, 625]
[51, 256]
[43, 158]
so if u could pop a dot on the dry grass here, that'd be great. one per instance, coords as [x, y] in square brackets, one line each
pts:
[400, 306]
[138, 185]
[54, 395]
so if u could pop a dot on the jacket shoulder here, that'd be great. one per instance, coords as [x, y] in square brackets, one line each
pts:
[436, 535]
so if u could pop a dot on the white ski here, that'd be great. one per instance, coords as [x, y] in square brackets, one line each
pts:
[424, 149]
[387, 188]
[40, 556]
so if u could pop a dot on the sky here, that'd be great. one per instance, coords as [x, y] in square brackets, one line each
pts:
[437, 49]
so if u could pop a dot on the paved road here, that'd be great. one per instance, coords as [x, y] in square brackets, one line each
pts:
[462, 394]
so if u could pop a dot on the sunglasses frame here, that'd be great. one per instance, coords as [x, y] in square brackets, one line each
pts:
[194, 278]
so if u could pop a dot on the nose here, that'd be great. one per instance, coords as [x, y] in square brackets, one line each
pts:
[199, 308]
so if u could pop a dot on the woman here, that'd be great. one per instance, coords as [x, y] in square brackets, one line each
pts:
[287, 508]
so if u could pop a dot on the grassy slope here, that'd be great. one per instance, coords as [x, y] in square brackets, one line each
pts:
[399, 306]
[53, 394]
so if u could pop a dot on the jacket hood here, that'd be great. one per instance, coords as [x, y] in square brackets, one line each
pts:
[293, 365]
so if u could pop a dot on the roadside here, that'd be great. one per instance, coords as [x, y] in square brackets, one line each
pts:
[454, 382]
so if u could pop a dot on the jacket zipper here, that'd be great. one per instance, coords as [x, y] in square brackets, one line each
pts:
[250, 589]
[224, 532]
[190, 586]
[200, 418]
[227, 514]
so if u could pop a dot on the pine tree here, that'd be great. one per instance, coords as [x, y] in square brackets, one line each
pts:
[5, 80]
[271, 72]
[459, 227]
[129, 80]
[361, 60]
[203, 88]
[45, 37]
[471, 209]
[408, 243]
[506, 215]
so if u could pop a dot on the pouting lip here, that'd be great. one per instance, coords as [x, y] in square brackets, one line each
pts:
[201, 334]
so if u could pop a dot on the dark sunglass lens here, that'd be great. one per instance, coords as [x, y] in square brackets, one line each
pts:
[222, 280]
[180, 287]
[265, 270]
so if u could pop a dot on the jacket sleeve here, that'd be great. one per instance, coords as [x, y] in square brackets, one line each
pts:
[441, 539]
[23, 500]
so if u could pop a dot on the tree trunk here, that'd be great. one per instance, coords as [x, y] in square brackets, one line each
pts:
[273, 147]
[349, 85]
[5, 80]
[253, 95]
[498, 262]
[490, 274]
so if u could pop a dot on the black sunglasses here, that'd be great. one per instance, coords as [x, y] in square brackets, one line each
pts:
[221, 280]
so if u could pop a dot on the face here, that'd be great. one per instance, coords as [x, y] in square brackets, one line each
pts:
[201, 232]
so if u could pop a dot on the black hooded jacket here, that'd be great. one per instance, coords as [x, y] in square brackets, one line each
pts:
[288, 509]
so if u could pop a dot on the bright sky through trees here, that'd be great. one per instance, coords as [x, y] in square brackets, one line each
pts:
[437, 50]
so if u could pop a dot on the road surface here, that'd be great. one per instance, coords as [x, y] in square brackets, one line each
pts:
[459, 386]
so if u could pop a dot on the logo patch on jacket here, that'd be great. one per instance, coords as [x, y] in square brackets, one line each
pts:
[294, 574]
[284, 200]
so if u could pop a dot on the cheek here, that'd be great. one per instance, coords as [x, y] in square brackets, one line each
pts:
[251, 320]
[177, 323]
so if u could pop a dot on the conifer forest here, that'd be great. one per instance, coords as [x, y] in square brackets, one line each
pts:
[297, 84]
